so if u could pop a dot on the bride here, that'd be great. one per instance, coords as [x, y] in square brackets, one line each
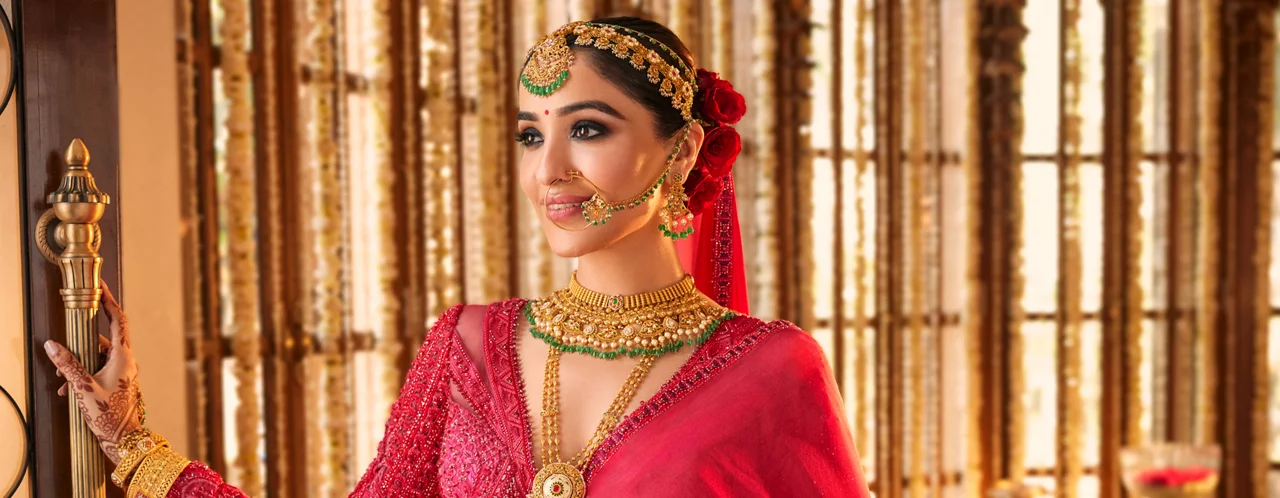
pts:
[644, 376]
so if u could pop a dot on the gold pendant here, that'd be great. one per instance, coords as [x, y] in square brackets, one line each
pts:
[558, 480]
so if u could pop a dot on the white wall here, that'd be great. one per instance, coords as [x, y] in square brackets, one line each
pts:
[148, 77]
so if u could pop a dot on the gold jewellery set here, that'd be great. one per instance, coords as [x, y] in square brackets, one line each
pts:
[578, 320]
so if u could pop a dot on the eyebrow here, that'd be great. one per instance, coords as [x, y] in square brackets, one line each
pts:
[597, 105]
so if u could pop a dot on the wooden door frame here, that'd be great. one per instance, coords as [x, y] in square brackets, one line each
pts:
[67, 89]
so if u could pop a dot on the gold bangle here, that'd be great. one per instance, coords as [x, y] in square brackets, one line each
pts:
[133, 448]
[157, 474]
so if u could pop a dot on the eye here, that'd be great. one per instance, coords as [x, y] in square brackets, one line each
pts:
[528, 137]
[587, 130]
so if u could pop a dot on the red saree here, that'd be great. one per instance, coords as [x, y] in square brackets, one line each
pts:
[754, 412]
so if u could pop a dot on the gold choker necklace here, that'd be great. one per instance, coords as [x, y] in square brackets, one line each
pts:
[579, 320]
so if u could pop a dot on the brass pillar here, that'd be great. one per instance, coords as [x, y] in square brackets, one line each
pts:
[78, 205]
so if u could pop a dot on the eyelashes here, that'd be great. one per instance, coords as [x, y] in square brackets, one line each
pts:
[528, 137]
[587, 130]
[584, 130]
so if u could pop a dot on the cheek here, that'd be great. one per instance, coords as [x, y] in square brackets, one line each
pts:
[617, 168]
[527, 172]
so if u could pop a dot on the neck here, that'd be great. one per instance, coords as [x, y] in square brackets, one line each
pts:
[636, 264]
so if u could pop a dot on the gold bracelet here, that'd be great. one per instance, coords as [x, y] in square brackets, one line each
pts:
[157, 474]
[133, 448]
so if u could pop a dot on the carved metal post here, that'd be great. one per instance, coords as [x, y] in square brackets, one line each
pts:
[78, 205]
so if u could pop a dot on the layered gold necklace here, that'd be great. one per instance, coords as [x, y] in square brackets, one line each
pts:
[582, 321]
[579, 320]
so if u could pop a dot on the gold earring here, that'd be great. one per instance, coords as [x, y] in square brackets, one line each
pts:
[677, 220]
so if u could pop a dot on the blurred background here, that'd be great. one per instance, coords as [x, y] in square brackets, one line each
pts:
[1027, 233]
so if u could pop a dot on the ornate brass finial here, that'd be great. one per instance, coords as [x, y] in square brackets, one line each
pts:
[77, 153]
[77, 183]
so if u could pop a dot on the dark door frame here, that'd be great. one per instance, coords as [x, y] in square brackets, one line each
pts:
[67, 89]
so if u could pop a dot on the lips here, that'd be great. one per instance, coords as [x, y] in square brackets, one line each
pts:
[562, 199]
[563, 208]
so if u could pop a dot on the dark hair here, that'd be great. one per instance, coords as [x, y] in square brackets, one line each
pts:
[635, 83]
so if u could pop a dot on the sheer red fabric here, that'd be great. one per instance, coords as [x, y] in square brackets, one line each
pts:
[714, 254]
[754, 412]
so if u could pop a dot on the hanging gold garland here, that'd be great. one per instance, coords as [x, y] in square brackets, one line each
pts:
[1070, 465]
[1210, 171]
[931, 220]
[242, 252]
[1133, 192]
[862, 390]
[328, 239]
[763, 73]
[436, 41]
[916, 171]
[472, 168]
[313, 392]
[389, 345]
[973, 475]
[441, 157]
[495, 194]
[192, 242]
[722, 25]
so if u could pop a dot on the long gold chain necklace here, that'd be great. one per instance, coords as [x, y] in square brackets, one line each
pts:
[561, 479]
[583, 321]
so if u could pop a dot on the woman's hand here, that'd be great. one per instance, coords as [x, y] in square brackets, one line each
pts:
[110, 400]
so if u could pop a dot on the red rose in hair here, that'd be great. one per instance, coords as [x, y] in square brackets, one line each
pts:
[718, 152]
[706, 192]
[719, 101]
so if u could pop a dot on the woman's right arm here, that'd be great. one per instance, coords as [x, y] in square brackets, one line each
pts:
[111, 403]
[407, 455]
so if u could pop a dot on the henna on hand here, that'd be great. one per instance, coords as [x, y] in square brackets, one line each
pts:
[108, 399]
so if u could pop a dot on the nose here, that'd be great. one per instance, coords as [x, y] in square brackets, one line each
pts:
[556, 165]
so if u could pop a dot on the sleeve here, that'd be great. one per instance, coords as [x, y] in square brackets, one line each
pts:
[811, 426]
[198, 480]
[409, 451]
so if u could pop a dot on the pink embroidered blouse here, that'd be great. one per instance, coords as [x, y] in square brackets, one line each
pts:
[754, 412]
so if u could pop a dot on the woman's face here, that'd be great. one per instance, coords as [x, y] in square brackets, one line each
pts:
[593, 128]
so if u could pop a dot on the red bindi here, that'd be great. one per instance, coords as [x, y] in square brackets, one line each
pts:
[546, 112]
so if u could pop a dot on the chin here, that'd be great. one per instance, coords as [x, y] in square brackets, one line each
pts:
[567, 244]
[571, 244]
